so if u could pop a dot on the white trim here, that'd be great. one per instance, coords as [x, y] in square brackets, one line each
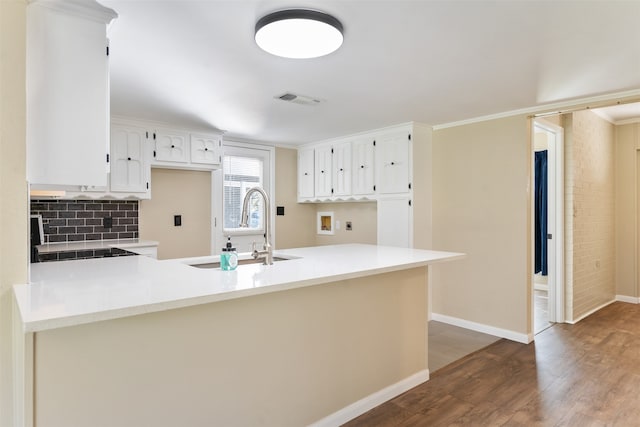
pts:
[369, 402]
[540, 287]
[625, 298]
[590, 312]
[485, 329]
[550, 108]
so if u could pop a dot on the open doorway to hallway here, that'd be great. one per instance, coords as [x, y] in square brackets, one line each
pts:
[548, 178]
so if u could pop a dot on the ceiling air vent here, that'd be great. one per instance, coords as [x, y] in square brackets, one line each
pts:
[299, 99]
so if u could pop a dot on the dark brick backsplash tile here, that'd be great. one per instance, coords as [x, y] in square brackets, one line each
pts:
[76, 220]
[66, 255]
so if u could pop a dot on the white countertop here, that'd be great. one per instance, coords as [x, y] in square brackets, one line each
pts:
[86, 245]
[68, 293]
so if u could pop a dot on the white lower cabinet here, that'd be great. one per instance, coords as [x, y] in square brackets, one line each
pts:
[395, 219]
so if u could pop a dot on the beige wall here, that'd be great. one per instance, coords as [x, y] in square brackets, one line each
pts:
[422, 186]
[290, 359]
[296, 229]
[481, 206]
[626, 164]
[178, 192]
[363, 216]
[13, 188]
[590, 213]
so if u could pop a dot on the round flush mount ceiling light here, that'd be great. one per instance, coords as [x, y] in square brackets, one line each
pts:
[299, 33]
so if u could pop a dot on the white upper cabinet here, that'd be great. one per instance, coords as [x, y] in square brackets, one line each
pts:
[305, 173]
[323, 172]
[67, 84]
[363, 166]
[341, 169]
[130, 169]
[171, 146]
[393, 162]
[206, 149]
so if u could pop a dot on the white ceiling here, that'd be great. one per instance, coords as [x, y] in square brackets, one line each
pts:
[195, 63]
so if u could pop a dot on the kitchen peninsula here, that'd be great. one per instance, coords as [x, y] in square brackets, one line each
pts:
[318, 338]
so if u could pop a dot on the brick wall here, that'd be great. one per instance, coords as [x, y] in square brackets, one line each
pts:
[590, 213]
[77, 220]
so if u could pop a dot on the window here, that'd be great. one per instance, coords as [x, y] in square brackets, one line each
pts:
[241, 174]
[243, 166]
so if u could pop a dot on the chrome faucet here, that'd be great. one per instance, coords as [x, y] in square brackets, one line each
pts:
[267, 250]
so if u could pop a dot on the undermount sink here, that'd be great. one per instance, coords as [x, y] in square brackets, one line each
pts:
[240, 262]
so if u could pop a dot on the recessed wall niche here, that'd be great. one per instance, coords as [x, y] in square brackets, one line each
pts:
[325, 223]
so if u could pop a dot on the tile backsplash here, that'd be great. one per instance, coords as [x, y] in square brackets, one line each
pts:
[76, 220]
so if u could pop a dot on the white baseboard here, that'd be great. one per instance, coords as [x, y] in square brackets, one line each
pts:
[376, 399]
[590, 312]
[485, 329]
[624, 298]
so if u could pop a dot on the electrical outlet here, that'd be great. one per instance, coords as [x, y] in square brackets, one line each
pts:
[348, 226]
[107, 222]
[177, 220]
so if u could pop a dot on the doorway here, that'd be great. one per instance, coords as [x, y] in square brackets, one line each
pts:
[548, 239]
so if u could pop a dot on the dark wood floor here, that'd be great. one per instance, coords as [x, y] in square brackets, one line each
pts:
[584, 375]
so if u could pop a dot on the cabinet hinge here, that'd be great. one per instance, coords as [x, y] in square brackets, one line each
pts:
[409, 186]
[107, 157]
[332, 151]
[374, 142]
[107, 50]
[409, 137]
[332, 191]
[409, 202]
[154, 136]
[147, 185]
[147, 134]
[154, 153]
[374, 188]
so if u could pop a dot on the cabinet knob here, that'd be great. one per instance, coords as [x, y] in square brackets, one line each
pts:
[206, 149]
[393, 163]
[341, 170]
[128, 158]
[305, 174]
[361, 166]
[173, 146]
[321, 171]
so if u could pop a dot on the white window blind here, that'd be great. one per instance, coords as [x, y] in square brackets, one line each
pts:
[241, 174]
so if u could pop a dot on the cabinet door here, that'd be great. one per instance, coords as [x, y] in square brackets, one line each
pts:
[67, 110]
[171, 146]
[341, 169]
[206, 149]
[323, 172]
[363, 167]
[305, 173]
[395, 221]
[392, 163]
[129, 165]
